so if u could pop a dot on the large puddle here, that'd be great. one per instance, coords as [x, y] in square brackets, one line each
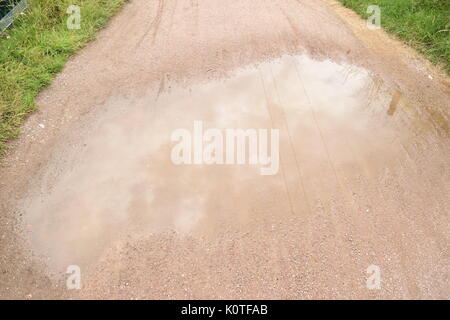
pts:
[120, 178]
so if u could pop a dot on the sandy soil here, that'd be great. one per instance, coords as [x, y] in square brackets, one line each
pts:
[363, 175]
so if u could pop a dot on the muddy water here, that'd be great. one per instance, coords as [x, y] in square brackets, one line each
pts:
[121, 179]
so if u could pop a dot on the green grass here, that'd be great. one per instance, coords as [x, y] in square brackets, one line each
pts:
[36, 48]
[423, 24]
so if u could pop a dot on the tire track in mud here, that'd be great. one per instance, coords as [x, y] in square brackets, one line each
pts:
[347, 203]
[285, 124]
[299, 209]
[336, 225]
[155, 24]
[274, 125]
[278, 253]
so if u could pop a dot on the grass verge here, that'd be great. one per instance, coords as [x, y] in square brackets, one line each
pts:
[422, 24]
[36, 48]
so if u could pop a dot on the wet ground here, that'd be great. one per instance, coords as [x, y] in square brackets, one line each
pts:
[362, 177]
[327, 114]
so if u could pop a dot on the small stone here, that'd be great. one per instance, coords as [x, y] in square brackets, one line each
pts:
[42, 125]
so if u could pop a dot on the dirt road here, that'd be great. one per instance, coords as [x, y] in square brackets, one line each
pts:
[363, 177]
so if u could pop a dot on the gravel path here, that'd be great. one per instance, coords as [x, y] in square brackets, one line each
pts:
[362, 178]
